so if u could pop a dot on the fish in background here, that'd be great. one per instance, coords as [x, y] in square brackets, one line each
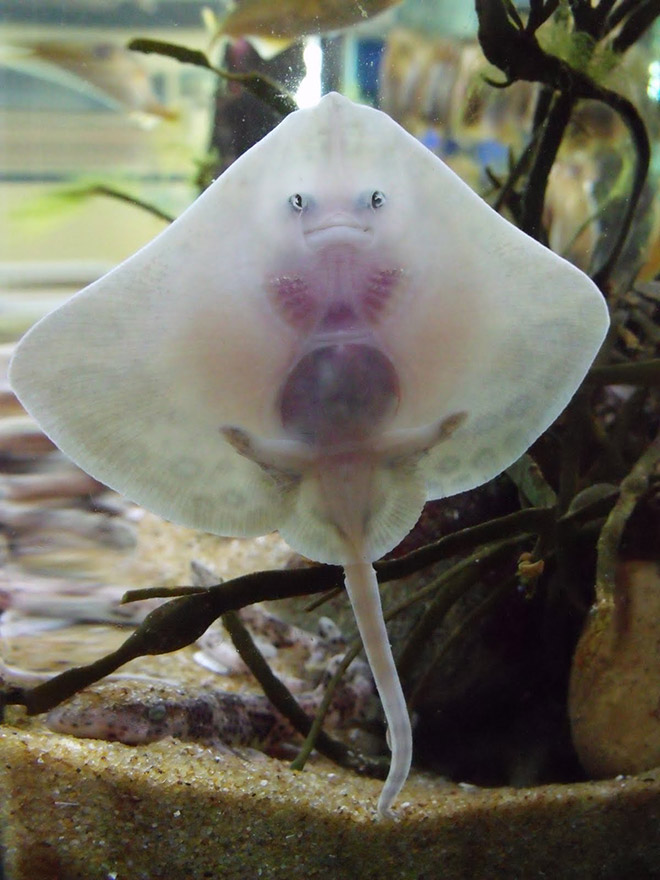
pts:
[435, 81]
[103, 5]
[107, 72]
[271, 27]
[296, 18]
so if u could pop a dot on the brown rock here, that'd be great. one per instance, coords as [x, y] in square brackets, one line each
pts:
[614, 694]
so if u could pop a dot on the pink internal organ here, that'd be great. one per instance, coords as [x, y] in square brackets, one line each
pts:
[339, 296]
[295, 302]
[379, 293]
[338, 394]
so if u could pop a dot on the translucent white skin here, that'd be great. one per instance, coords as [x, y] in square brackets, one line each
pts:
[337, 256]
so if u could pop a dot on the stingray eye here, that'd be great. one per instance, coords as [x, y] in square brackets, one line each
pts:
[377, 199]
[298, 202]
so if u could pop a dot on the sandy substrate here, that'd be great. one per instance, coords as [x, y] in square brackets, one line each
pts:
[90, 809]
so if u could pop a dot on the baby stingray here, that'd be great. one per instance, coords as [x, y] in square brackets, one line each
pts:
[335, 332]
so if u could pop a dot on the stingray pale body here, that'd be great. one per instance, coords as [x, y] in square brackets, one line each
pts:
[337, 330]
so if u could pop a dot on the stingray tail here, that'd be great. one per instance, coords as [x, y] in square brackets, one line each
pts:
[362, 588]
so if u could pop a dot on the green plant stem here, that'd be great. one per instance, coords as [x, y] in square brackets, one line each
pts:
[159, 593]
[633, 487]
[640, 373]
[641, 16]
[637, 130]
[284, 701]
[595, 509]
[531, 214]
[518, 170]
[522, 522]
[102, 190]
[530, 482]
[621, 9]
[315, 733]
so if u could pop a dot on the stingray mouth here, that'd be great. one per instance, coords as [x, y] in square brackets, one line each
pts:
[338, 229]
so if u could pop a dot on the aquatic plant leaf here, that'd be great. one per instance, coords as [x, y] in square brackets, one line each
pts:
[260, 85]
[337, 330]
